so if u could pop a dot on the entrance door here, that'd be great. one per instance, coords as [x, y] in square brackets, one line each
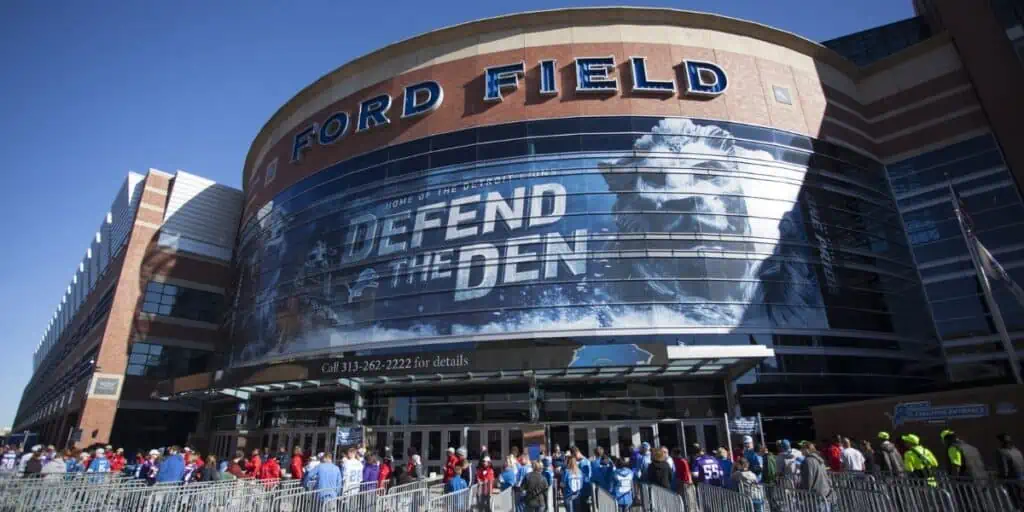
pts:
[708, 434]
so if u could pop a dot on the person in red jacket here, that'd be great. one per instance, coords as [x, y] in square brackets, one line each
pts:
[255, 464]
[834, 454]
[449, 465]
[485, 475]
[117, 461]
[682, 467]
[270, 473]
[384, 476]
[297, 465]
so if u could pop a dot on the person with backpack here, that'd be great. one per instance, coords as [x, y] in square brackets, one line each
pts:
[964, 460]
[535, 489]
[887, 458]
[919, 461]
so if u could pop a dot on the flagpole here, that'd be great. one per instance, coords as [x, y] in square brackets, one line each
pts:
[986, 287]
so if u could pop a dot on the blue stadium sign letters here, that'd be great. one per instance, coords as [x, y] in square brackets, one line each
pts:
[594, 75]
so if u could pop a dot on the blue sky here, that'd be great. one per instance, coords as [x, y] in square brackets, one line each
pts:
[92, 90]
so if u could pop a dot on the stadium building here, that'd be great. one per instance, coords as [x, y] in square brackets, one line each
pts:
[615, 225]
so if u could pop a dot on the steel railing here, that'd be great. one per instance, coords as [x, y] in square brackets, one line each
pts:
[603, 501]
[849, 492]
[503, 501]
[711, 498]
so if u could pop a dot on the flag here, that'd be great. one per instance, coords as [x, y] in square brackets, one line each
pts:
[994, 271]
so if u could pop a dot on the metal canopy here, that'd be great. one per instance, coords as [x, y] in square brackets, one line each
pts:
[705, 362]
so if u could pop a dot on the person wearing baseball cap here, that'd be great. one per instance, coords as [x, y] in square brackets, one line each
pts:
[755, 459]
[965, 460]
[449, 465]
[888, 457]
[918, 460]
[99, 463]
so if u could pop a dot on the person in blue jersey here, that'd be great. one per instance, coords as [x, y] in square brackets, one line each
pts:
[588, 473]
[572, 485]
[706, 469]
[622, 485]
[725, 461]
[754, 458]
[641, 460]
[325, 478]
[172, 468]
[99, 463]
[523, 470]
[548, 471]
[456, 483]
[509, 473]
[601, 469]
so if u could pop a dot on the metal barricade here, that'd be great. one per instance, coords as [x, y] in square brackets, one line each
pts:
[503, 501]
[364, 501]
[855, 480]
[971, 495]
[458, 501]
[604, 501]
[918, 495]
[308, 501]
[711, 498]
[657, 499]
[415, 500]
[787, 499]
[850, 499]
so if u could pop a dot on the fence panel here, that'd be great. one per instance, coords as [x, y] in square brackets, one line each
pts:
[604, 501]
[465, 500]
[716, 499]
[503, 501]
[787, 499]
[308, 501]
[361, 501]
[657, 499]
[987, 495]
[415, 500]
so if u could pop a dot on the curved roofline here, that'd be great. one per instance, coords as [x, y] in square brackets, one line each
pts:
[566, 16]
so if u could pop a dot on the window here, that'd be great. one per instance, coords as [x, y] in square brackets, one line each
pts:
[271, 172]
[159, 361]
[178, 301]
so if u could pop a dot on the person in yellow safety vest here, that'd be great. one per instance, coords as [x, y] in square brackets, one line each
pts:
[918, 460]
[965, 461]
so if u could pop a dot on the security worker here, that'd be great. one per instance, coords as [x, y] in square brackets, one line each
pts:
[918, 460]
[964, 460]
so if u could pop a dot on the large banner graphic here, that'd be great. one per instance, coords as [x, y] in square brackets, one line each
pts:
[689, 229]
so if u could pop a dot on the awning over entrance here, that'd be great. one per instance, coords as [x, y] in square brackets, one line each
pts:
[704, 362]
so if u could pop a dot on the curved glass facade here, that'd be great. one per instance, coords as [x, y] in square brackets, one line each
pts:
[613, 229]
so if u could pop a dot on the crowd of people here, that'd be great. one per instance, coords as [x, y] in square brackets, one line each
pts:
[570, 474]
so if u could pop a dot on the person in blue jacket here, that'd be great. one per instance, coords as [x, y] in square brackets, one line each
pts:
[548, 472]
[172, 468]
[509, 473]
[457, 483]
[325, 478]
[572, 485]
[641, 460]
[601, 469]
[622, 485]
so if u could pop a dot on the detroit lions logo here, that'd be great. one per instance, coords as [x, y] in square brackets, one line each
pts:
[610, 355]
[367, 279]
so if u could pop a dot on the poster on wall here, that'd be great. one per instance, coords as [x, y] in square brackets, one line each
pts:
[691, 228]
